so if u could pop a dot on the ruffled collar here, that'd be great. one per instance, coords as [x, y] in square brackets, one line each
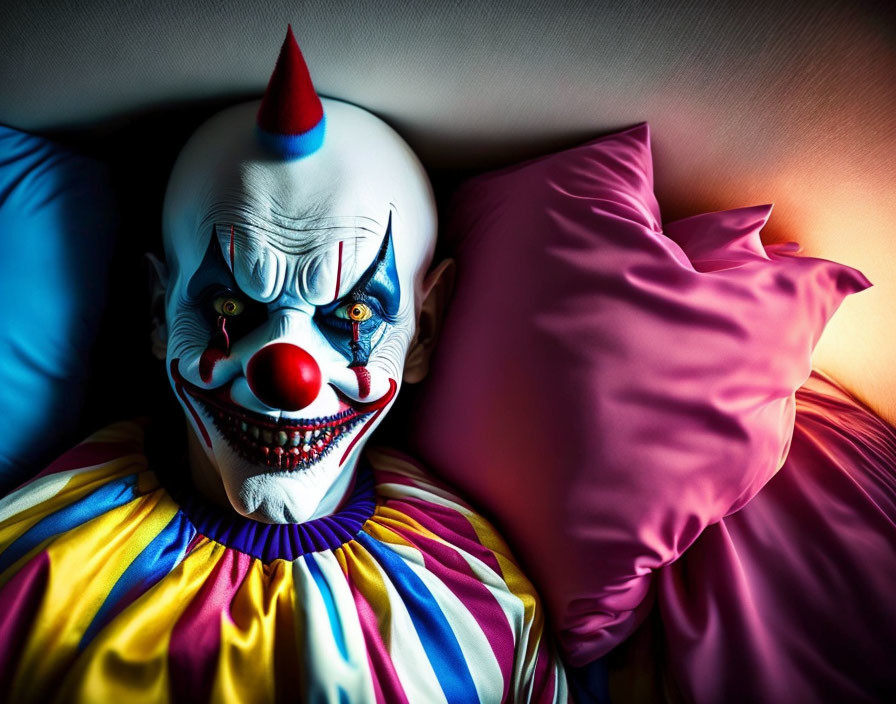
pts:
[282, 541]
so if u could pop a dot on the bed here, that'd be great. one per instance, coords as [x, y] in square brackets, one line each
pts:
[747, 105]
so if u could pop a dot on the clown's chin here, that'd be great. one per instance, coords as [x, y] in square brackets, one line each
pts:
[264, 493]
[278, 472]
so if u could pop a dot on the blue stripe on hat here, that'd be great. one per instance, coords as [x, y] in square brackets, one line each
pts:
[294, 146]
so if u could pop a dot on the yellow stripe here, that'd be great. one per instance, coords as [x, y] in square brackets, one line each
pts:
[382, 524]
[364, 574]
[85, 563]
[262, 617]
[123, 431]
[77, 487]
[128, 660]
[518, 585]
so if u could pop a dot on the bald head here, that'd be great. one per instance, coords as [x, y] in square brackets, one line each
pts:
[292, 300]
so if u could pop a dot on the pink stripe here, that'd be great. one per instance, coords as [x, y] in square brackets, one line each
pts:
[399, 455]
[88, 454]
[194, 541]
[21, 598]
[544, 684]
[196, 637]
[385, 477]
[378, 695]
[448, 524]
[455, 573]
[385, 679]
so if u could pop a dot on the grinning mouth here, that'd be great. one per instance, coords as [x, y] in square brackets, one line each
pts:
[280, 444]
[285, 443]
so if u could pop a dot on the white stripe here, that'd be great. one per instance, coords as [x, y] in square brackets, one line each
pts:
[328, 670]
[402, 491]
[38, 491]
[523, 672]
[415, 671]
[474, 644]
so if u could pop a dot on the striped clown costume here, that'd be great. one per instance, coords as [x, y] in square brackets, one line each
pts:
[283, 561]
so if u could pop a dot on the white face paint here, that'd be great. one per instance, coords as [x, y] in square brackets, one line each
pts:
[292, 300]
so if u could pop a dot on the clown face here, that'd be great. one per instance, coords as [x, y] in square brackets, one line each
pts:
[292, 298]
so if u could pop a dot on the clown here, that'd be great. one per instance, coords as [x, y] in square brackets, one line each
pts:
[297, 254]
[292, 564]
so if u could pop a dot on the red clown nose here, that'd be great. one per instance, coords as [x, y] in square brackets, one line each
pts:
[291, 119]
[284, 376]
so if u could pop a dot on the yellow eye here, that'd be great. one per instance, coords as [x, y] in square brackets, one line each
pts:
[357, 312]
[228, 306]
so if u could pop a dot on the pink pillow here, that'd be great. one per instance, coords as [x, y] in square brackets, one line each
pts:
[606, 391]
[791, 599]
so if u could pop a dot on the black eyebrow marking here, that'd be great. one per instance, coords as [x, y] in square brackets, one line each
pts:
[212, 270]
[381, 278]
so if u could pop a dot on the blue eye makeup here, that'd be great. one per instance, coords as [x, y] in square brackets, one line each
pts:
[350, 323]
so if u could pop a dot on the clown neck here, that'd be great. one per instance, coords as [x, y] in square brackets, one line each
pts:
[297, 234]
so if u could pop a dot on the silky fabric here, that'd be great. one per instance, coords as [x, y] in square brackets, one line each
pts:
[115, 591]
[57, 224]
[791, 598]
[617, 389]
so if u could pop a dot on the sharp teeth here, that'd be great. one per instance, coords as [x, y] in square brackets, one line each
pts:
[295, 439]
[306, 448]
[282, 438]
[319, 444]
[307, 436]
[316, 433]
[244, 427]
[267, 436]
[253, 431]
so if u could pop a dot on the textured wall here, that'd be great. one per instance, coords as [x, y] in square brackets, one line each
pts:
[785, 102]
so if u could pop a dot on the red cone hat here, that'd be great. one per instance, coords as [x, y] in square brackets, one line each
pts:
[291, 118]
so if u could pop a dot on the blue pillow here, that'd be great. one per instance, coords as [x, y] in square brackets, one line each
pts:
[56, 235]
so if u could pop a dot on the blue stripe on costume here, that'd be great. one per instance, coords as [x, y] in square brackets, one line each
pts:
[155, 561]
[294, 146]
[436, 635]
[332, 613]
[106, 498]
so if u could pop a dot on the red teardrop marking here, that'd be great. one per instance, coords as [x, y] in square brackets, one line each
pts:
[356, 330]
[214, 353]
[222, 328]
[210, 357]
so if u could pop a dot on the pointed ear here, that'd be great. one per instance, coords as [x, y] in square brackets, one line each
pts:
[158, 285]
[437, 289]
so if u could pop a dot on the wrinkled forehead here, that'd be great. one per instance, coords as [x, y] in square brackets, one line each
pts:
[305, 227]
